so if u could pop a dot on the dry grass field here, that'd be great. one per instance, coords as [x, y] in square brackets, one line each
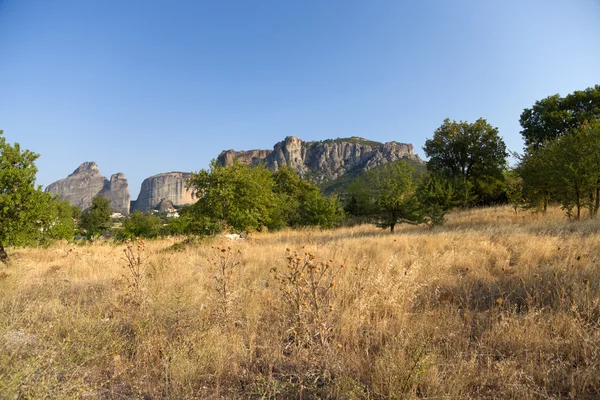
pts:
[493, 305]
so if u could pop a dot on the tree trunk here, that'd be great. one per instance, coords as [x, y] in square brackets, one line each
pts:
[3, 255]
[392, 228]
[597, 204]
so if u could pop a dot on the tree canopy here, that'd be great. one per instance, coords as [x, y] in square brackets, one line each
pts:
[22, 204]
[386, 195]
[555, 116]
[244, 198]
[471, 154]
[96, 219]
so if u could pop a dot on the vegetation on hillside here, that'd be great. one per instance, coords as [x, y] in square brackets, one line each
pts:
[354, 139]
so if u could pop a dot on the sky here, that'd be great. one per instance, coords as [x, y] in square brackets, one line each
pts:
[150, 86]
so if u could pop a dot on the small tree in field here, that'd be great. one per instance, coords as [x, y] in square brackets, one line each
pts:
[21, 202]
[96, 219]
[387, 195]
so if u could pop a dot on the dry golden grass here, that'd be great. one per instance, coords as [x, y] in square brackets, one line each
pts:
[493, 305]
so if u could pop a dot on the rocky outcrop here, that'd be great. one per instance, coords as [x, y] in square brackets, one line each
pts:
[326, 160]
[86, 182]
[117, 191]
[250, 157]
[163, 187]
[165, 205]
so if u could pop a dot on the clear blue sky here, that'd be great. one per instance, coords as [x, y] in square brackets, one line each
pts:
[150, 86]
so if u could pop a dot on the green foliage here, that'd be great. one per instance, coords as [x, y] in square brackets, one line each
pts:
[566, 169]
[245, 198]
[514, 189]
[436, 198]
[237, 196]
[341, 184]
[59, 219]
[473, 155]
[302, 203]
[353, 139]
[139, 225]
[96, 219]
[386, 195]
[555, 116]
[22, 204]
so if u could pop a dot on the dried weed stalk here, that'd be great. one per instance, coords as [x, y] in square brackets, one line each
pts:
[306, 286]
[225, 261]
[135, 259]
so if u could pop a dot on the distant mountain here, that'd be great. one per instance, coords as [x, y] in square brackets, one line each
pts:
[86, 182]
[328, 163]
[331, 164]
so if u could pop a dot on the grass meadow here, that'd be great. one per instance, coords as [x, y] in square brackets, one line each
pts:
[492, 305]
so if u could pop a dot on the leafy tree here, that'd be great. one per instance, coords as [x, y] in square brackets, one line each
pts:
[555, 116]
[359, 202]
[388, 195]
[514, 189]
[436, 198]
[139, 225]
[534, 170]
[302, 203]
[59, 219]
[96, 219]
[566, 169]
[22, 204]
[471, 153]
[316, 209]
[237, 196]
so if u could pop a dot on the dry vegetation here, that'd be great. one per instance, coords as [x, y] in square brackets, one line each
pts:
[491, 306]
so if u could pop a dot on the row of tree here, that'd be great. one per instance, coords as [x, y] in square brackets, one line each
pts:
[561, 162]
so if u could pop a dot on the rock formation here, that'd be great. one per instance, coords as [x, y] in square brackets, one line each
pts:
[167, 187]
[251, 157]
[325, 160]
[86, 182]
[117, 191]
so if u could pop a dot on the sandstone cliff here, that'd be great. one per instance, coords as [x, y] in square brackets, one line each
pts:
[86, 182]
[251, 157]
[167, 187]
[326, 160]
[117, 191]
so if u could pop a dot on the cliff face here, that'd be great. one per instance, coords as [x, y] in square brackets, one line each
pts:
[326, 160]
[117, 191]
[86, 182]
[250, 157]
[168, 187]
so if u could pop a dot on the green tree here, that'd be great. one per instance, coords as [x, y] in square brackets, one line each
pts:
[566, 169]
[302, 203]
[555, 116]
[471, 153]
[236, 196]
[436, 198]
[22, 204]
[96, 219]
[139, 225]
[514, 189]
[387, 195]
[59, 219]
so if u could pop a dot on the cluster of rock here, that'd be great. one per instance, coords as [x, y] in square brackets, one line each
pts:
[86, 182]
[161, 192]
[319, 161]
[326, 160]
